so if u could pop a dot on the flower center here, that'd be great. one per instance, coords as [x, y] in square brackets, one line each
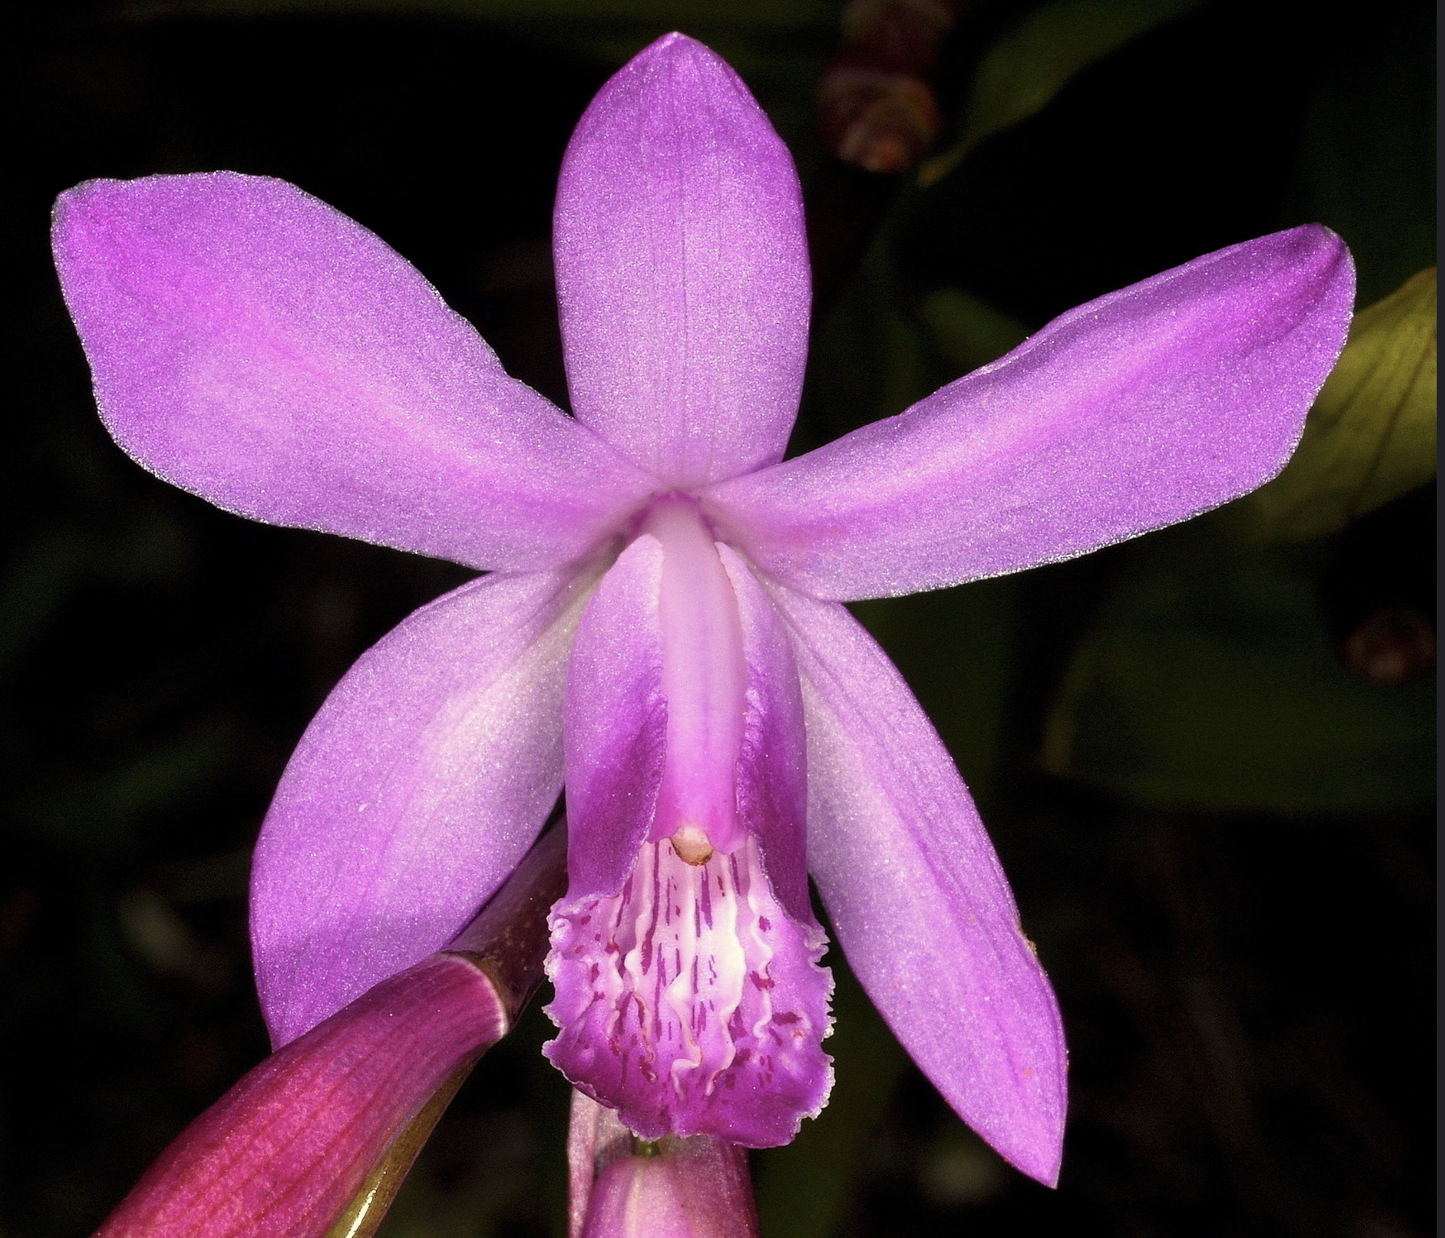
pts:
[704, 679]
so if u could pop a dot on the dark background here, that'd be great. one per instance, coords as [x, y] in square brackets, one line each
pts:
[1219, 828]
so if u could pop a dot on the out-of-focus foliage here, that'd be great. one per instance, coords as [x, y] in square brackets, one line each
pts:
[965, 331]
[1024, 69]
[1208, 682]
[1370, 436]
[804, 1188]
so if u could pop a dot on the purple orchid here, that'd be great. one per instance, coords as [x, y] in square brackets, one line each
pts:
[662, 627]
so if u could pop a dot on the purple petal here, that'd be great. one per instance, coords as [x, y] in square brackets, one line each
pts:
[1142, 408]
[704, 682]
[258, 348]
[917, 897]
[616, 722]
[772, 779]
[621, 737]
[702, 1191]
[287, 1149]
[595, 1138]
[414, 792]
[682, 269]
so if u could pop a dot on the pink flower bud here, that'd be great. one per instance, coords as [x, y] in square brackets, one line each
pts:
[625, 1187]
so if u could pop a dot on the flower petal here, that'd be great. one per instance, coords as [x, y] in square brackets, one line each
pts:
[287, 1148]
[414, 792]
[682, 269]
[1142, 408]
[258, 348]
[595, 1138]
[772, 782]
[615, 728]
[917, 897]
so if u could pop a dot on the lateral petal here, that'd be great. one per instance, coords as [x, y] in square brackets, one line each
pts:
[772, 785]
[413, 793]
[256, 347]
[682, 269]
[917, 897]
[1137, 410]
[615, 728]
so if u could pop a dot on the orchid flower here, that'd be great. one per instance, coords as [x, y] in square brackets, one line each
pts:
[662, 628]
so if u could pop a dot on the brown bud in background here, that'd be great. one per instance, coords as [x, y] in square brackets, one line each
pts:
[876, 104]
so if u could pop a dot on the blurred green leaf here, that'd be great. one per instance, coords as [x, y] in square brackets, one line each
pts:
[37, 582]
[960, 1170]
[1367, 144]
[1028, 66]
[147, 546]
[1370, 436]
[1208, 683]
[870, 357]
[966, 331]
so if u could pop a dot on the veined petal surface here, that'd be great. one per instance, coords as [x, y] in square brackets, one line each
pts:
[256, 347]
[682, 269]
[1137, 410]
[917, 897]
[412, 795]
[708, 1180]
[691, 1002]
[695, 1188]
